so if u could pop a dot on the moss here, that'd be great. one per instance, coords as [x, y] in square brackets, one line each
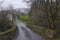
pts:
[7, 31]
[8, 35]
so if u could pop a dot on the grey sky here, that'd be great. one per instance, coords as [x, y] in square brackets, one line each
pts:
[15, 3]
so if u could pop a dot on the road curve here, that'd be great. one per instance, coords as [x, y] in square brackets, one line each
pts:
[26, 34]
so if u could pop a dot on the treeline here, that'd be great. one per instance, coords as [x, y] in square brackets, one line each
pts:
[46, 13]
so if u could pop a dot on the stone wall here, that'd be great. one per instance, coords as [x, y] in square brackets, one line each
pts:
[9, 35]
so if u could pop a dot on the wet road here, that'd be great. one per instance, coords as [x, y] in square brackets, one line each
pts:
[26, 34]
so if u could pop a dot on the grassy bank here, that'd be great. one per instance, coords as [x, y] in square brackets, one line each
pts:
[48, 33]
[9, 33]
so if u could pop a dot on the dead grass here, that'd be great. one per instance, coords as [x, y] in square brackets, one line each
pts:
[42, 30]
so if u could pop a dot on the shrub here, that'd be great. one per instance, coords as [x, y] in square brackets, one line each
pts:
[5, 23]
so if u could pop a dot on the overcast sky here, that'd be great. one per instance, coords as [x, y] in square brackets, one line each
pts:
[15, 3]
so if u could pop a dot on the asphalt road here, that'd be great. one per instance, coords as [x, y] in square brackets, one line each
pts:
[26, 33]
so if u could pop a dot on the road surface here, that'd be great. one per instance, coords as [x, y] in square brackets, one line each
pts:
[26, 33]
